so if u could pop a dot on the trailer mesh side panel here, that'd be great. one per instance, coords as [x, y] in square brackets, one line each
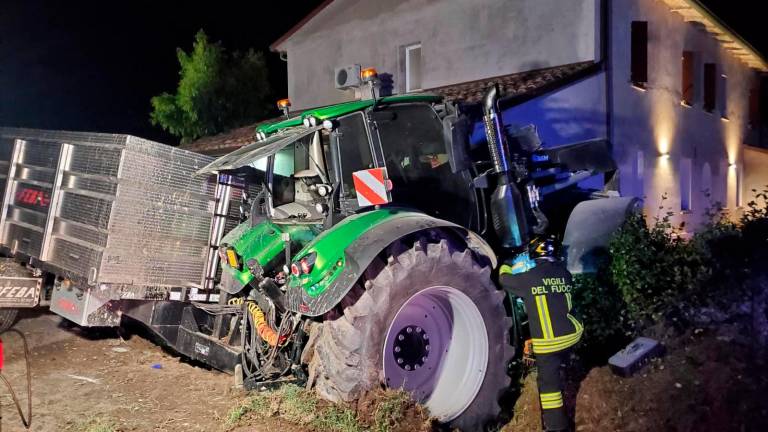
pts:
[128, 211]
[27, 211]
[159, 231]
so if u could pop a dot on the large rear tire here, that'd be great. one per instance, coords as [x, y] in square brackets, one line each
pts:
[429, 320]
[7, 318]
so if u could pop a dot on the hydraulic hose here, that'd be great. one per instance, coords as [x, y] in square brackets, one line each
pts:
[27, 421]
[265, 332]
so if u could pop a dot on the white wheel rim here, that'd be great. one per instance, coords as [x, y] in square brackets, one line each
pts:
[443, 358]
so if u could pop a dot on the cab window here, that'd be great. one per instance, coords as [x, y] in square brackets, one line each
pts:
[354, 151]
[288, 161]
[417, 163]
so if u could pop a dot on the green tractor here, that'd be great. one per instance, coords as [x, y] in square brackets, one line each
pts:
[368, 257]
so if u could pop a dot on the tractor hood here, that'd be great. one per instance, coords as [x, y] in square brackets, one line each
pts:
[259, 150]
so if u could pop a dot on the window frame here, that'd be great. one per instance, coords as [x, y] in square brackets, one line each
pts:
[407, 65]
[349, 205]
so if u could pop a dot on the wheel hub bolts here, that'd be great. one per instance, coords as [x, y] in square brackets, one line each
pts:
[411, 349]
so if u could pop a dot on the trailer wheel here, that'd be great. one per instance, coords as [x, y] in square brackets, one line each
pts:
[7, 318]
[430, 321]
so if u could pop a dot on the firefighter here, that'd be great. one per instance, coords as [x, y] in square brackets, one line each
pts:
[546, 292]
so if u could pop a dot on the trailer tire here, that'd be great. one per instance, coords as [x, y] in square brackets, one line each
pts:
[7, 318]
[462, 378]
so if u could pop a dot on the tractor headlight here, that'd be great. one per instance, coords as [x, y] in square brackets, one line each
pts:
[304, 265]
[329, 125]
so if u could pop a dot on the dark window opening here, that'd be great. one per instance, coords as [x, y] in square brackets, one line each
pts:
[639, 53]
[688, 78]
[710, 86]
[754, 107]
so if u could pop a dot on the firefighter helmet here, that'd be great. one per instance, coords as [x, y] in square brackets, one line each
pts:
[543, 247]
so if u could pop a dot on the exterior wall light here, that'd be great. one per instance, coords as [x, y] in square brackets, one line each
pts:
[664, 156]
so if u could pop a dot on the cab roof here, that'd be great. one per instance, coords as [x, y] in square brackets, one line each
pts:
[338, 110]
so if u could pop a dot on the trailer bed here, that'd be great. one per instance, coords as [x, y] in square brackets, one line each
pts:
[118, 213]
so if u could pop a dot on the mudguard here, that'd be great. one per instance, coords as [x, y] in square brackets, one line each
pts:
[590, 228]
[345, 251]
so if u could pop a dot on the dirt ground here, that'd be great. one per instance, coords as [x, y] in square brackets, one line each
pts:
[707, 382]
[102, 381]
[83, 380]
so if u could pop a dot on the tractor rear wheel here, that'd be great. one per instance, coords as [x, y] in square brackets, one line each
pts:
[430, 321]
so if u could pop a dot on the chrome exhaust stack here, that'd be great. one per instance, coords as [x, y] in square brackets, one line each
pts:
[507, 207]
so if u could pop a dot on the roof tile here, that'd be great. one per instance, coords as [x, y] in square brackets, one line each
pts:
[472, 91]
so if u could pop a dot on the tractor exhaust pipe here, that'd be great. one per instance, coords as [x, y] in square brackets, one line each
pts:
[494, 131]
[507, 210]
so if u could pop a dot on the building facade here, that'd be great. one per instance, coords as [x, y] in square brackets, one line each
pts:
[669, 85]
[425, 44]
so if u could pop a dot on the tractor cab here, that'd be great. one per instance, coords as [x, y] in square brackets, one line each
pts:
[290, 170]
[306, 163]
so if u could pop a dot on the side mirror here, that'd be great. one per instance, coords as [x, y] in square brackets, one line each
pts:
[456, 136]
[258, 210]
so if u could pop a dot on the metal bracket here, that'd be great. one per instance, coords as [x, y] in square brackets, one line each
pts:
[222, 194]
[65, 156]
[9, 188]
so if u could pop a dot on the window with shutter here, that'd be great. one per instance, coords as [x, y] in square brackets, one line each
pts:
[710, 84]
[687, 84]
[639, 53]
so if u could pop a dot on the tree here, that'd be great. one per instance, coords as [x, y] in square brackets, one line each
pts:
[217, 91]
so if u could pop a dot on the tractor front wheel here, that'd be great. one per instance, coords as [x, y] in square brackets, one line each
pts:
[430, 321]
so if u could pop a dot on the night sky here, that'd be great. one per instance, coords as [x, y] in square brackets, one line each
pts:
[94, 65]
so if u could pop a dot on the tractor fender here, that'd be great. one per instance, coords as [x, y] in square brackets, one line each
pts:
[591, 227]
[359, 254]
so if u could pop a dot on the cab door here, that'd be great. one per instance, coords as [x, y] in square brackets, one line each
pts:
[351, 144]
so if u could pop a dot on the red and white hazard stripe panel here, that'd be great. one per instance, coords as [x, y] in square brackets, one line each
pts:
[372, 186]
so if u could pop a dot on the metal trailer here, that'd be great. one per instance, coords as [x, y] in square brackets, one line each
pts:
[110, 225]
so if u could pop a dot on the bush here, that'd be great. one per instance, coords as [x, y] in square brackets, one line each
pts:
[654, 274]
[603, 312]
[662, 276]
[655, 269]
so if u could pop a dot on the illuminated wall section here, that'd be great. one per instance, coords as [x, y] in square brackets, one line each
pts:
[686, 149]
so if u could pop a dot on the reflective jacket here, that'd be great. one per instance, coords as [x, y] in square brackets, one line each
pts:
[546, 291]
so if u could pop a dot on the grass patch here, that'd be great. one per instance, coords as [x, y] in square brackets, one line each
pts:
[338, 419]
[297, 405]
[94, 424]
[390, 410]
[385, 411]
[257, 404]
